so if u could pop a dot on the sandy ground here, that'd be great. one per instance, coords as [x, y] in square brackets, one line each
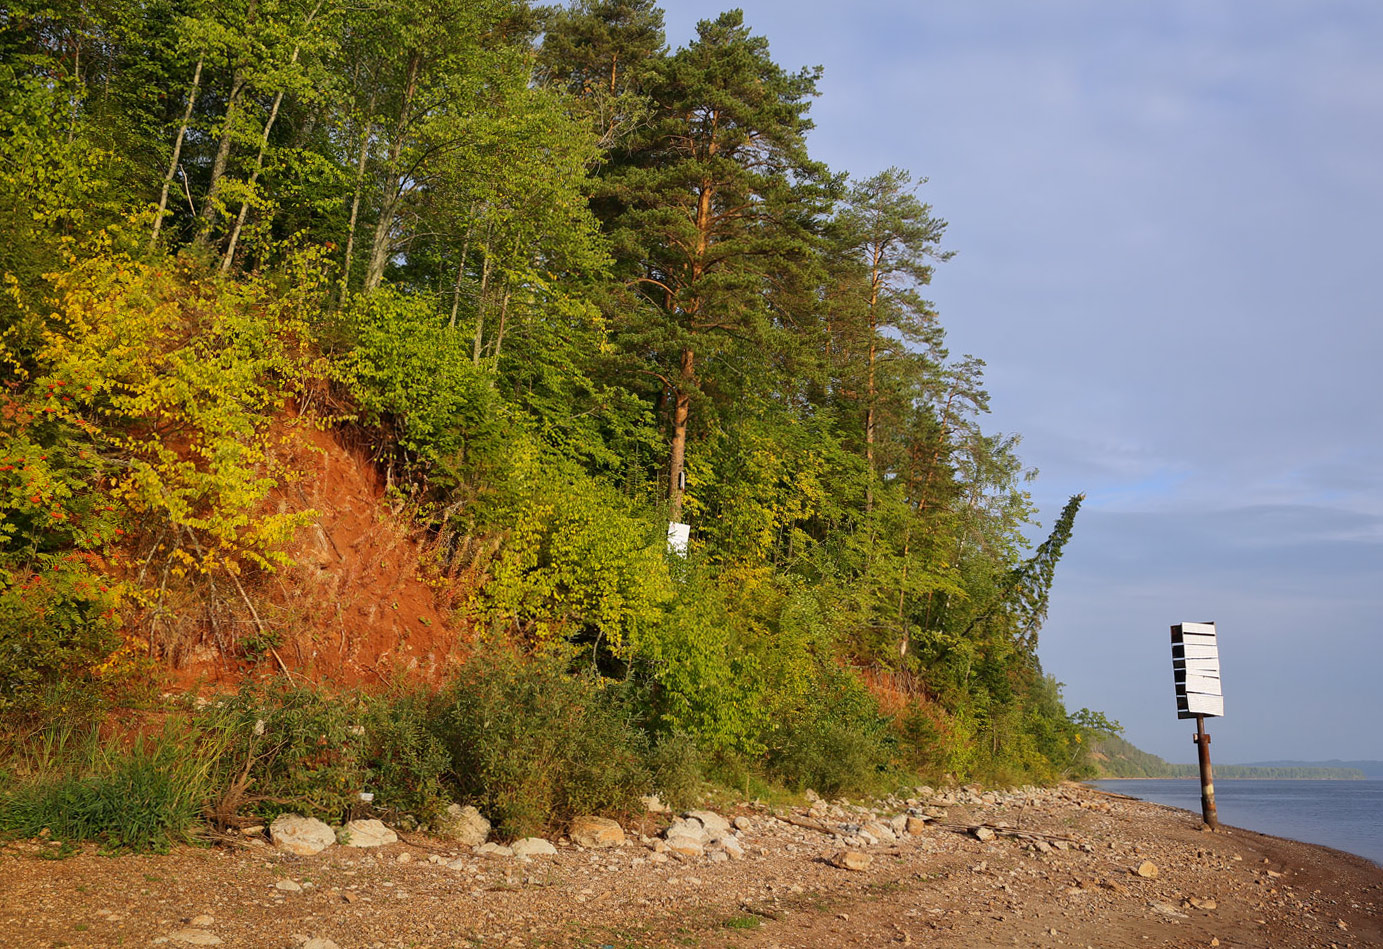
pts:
[1061, 871]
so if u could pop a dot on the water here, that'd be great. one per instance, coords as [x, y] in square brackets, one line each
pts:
[1346, 815]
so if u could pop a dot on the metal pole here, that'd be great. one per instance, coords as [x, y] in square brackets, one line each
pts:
[1202, 741]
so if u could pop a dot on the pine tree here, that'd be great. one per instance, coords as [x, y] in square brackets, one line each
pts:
[715, 200]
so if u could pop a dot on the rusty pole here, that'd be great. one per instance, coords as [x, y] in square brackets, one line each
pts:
[1202, 740]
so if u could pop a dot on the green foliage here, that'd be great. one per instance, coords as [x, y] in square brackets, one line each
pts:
[580, 562]
[532, 745]
[546, 279]
[415, 376]
[146, 796]
[837, 742]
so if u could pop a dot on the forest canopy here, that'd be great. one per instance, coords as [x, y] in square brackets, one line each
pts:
[564, 284]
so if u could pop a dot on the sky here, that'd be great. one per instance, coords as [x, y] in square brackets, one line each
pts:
[1166, 217]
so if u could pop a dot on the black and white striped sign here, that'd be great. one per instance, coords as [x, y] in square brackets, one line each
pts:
[1196, 670]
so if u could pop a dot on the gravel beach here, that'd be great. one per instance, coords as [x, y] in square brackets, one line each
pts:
[1069, 866]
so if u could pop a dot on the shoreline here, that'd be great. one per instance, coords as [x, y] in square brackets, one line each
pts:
[1070, 866]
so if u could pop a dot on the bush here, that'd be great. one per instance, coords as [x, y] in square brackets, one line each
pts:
[534, 746]
[837, 743]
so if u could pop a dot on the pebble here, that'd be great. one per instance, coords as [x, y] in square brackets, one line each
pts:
[1147, 870]
[288, 886]
[195, 937]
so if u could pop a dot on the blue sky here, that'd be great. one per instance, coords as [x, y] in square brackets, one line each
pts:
[1166, 217]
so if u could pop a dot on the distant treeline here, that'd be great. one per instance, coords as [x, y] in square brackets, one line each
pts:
[1116, 758]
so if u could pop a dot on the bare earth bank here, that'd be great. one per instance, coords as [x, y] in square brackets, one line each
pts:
[1062, 870]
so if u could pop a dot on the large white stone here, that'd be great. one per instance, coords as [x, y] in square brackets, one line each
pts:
[688, 827]
[533, 847]
[300, 835]
[368, 833]
[715, 824]
[465, 825]
[595, 832]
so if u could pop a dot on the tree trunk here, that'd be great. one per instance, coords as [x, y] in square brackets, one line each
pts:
[263, 148]
[460, 273]
[681, 410]
[382, 242]
[254, 179]
[177, 148]
[355, 199]
[480, 303]
[218, 167]
[499, 336]
[870, 392]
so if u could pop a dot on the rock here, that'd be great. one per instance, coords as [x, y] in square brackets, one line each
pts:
[1166, 909]
[203, 920]
[195, 937]
[533, 847]
[464, 825]
[1147, 870]
[686, 846]
[404, 857]
[688, 827]
[302, 836]
[493, 850]
[653, 805]
[320, 942]
[982, 833]
[1203, 904]
[916, 825]
[728, 845]
[715, 824]
[595, 833]
[879, 831]
[288, 886]
[743, 823]
[850, 860]
[368, 833]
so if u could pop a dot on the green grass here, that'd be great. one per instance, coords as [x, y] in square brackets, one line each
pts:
[742, 922]
[146, 796]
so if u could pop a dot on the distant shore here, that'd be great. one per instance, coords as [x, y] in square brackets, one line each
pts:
[1075, 865]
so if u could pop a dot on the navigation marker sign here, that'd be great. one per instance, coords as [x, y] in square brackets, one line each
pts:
[1196, 672]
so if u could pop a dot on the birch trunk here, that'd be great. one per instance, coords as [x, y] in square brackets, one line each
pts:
[382, 242]
[177, 148]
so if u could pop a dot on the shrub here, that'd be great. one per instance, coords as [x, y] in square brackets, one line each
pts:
[837, 742]
[287, 749]
[533, 746]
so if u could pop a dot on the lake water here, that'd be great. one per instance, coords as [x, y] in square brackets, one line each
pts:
[1346, 815]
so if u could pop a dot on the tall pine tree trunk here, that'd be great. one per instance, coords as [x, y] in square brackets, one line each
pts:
[680, 412]
[870, 388]
[177, 148]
